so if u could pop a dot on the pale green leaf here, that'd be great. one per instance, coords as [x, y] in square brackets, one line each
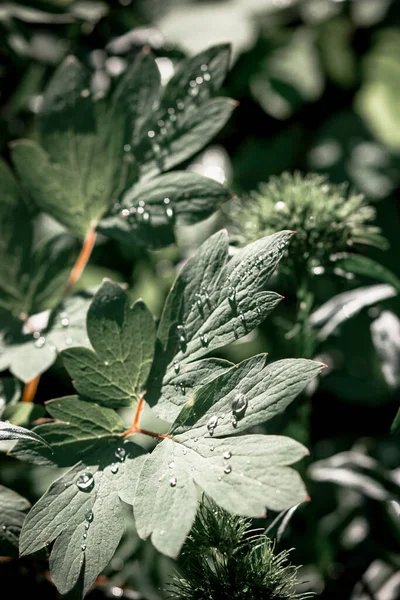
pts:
[81, 511]
[213, 302]
[27, 355]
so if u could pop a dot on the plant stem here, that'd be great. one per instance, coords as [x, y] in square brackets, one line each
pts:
[77, 270]
[30, 389]
[83, 257]
[134, 428]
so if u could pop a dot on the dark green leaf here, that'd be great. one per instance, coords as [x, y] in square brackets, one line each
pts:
[157, 204]
[363, 265]
[395, 429]
[12, 515]
[10, 393]
[80, 428]
[123, 339]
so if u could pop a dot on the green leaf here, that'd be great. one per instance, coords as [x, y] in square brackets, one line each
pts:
[343, 306]
[123, 339]
[177, 197]
[248, 394]
[363, 265]
[80, 428]
[82, 512]
[91, 151]
[395, 429]
[15, 241]
[12, 510]
[212, 303]
[74, 172]
[13, 432]
[32, 276]
[10, 393]
[243, 475]
[188, 116]
[27, 355]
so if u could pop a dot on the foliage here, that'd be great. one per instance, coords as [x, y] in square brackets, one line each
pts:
[317, 85]
[88, 435]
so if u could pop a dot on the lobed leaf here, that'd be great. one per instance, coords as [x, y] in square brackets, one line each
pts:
[243, 475]
[213, 302]
[14, 432]
[123, 339]
[81, 511]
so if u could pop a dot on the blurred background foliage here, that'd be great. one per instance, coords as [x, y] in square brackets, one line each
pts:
[318, 83]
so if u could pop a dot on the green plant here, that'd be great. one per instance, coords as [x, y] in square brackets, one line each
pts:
[204, 404]
[223, 558]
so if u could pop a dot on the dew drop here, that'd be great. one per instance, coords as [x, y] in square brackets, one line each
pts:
[219, 478]
[4, 527]
[106, 363]
[85, 93]
[239, 405]
[234, 421]
[64, 319]
[84, 536]
[36, 335]
[212, 448]
[171, 465]
[199, 80]
[176, 366]
[89, 516]
[169, 212]
[180, 105]
[83, 547]
[227, 455]
[227, 469]
[204, 68]
[181, 337]
[162, 532]
[120, 454]
[182, 388]
[204, 340]
[232, 299]
[87, 525]
[151, 133]
[173, 481]
[146, 216]
[40, 342]
[114, 468]
[127, 147]
[68, 341]
[85, 482]
[206, 76]
[125, 212]
[212, 423]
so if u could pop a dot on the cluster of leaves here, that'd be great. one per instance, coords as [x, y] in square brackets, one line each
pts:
[204, 402]
[223, 558]
[95, 167]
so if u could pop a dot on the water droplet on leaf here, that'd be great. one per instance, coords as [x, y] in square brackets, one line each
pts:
[212, 423]
[227, 455]
[120, 454]
[227, 469]
[85, 482]
[173, 481]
